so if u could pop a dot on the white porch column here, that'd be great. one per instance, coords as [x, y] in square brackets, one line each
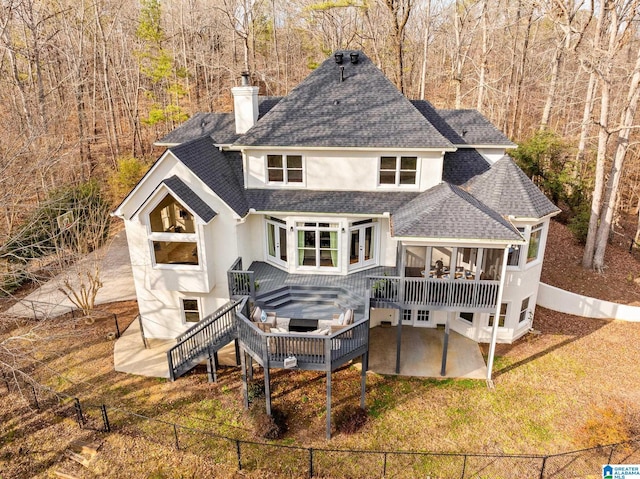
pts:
[496, 318]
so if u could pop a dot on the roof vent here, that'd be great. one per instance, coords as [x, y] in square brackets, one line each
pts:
[245, 78]
[338, 56]
[354, 57]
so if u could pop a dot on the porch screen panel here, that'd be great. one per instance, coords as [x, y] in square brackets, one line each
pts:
[492, 264]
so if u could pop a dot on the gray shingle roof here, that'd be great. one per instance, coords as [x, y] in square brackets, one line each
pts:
[220, 126]
[347, 202]
[365, 110]
[473, 128]
[447, 211]
[462, 165]
[190, 198]
[506, 189]
[218, 170]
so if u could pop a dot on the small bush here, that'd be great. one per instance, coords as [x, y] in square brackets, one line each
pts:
[127, 175]
[270, 427]
[255, 390]
[350, 419]
[579, 224]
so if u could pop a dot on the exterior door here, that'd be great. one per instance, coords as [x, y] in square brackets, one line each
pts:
[420, 318]
[277, 243]
[362, 251]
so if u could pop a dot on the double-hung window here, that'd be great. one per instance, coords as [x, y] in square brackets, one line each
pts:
[514, 252]
[284, 169]
[398, 170]
[524, 310]
[503, 316]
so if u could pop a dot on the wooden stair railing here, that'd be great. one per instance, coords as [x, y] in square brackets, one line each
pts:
[203, 339]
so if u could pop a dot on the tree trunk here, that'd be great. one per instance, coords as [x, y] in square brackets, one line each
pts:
[425, 49]
[485, 54]
[613, 183]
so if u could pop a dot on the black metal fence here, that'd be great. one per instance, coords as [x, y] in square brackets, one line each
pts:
[41, 310]
[326, 462]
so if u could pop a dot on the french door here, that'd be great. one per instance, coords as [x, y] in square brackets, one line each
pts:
[362, 245]
[277, 243]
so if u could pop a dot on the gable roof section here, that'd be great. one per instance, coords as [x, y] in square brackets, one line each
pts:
[462, 165]
[347, 202]
[216, 169]
[364, 111]
[473, 128]
[447, 211]
[220, 126]
[506, 189]
[189, 198]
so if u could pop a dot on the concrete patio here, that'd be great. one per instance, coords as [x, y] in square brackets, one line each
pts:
[421, 354]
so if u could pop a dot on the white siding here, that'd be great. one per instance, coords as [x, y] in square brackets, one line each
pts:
[329, 170]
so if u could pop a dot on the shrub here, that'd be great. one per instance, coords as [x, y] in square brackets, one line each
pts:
[350, 419]
[126, 176]
[255, 390]
[270, 427]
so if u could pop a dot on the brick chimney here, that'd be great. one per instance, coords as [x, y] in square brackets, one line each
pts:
[245, 104]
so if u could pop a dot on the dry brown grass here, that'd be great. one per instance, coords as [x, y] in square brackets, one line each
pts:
[573, 386]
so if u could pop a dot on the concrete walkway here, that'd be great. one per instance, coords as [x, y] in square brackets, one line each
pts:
[421, 353]
[115, 273]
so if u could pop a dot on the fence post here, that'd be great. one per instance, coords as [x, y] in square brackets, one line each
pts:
[611, 453]
[310, 462]
[239, 456]
[384, 465]
[115, 318]
[35, 397]
[544, 462]
[175, 434]
[105, 418]
[33, 307]
[79, 415]
[464, 466]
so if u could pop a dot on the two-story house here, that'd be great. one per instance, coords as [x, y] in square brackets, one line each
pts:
[341, 179]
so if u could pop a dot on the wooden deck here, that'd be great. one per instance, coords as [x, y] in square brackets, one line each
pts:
[271, 278]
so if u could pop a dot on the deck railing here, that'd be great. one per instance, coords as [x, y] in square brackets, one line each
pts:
[435, 293]
[311, 351]
[241, 283]
[206, 337]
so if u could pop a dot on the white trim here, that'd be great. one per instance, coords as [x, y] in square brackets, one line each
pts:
[244, 148]
[413, 241]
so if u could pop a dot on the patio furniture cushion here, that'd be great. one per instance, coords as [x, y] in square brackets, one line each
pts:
[268, 323]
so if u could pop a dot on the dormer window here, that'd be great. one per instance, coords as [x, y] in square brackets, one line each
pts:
[284, 169]
[398, 170]
[173, 233]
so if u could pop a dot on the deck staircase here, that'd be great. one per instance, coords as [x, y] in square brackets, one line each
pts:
[203, 340]
[304, 300]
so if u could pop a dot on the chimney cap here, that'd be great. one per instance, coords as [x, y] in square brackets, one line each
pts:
[354, 57]
[244, 78]
[338, 57]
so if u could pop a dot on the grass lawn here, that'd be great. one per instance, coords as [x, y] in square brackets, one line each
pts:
[571, 387]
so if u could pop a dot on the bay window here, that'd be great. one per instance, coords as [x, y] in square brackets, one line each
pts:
[173, 233]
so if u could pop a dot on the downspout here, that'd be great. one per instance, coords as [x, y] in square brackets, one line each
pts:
[496, 318]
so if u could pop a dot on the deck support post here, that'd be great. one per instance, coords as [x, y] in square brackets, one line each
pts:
[329, 404]
[398, 340]
[250, 367]
[445, 347]
[267, 389]
[363, 377]
[212, 367]
[237, 346]
[245, 390]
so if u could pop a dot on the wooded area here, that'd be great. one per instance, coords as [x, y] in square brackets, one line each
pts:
[85, 84]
